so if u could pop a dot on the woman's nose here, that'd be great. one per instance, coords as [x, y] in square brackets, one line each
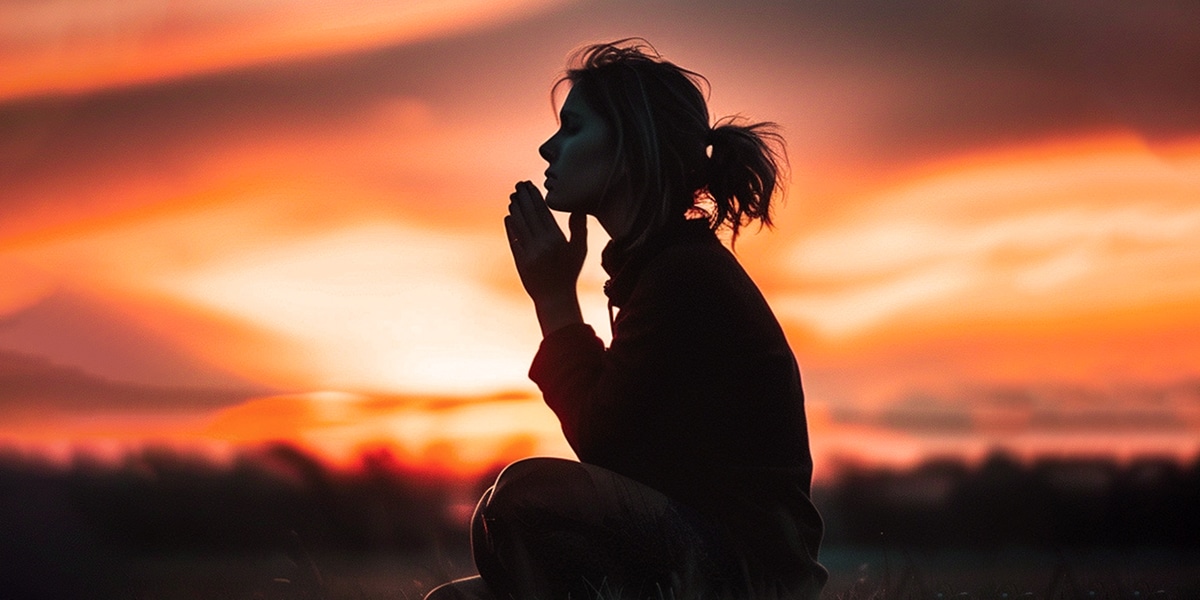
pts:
[547, 150]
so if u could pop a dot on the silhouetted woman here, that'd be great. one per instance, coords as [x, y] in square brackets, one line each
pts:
[690, 428]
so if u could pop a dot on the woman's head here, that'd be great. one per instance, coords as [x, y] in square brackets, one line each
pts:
[651, 119]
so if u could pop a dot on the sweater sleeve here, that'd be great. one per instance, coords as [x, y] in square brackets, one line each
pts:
[612, 402]
[566, 368]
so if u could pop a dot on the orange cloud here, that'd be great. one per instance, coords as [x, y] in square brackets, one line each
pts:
[464, 435]
[1096, 225]
[65, 46]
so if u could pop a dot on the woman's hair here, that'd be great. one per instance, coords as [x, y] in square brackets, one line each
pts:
[676, 164]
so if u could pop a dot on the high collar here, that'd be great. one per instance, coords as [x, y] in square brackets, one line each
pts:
[625, 265]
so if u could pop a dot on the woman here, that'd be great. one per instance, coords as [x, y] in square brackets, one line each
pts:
[694, 466]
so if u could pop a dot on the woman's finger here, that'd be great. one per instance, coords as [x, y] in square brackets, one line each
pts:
[538, 203]
[533, 210]
[519, 219]
[515, 245]
[510, 231]
[578, 225]
[523, 209]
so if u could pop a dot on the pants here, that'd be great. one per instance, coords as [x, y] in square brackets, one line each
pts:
[551, 529]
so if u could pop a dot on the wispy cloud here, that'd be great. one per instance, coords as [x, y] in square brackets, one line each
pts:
[74, 46]
[1023, 238]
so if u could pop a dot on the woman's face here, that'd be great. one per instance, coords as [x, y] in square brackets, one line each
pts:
[581, 155]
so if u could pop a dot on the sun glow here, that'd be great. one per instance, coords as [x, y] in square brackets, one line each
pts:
[459, 435]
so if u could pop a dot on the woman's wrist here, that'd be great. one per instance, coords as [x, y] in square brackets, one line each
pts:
[558, 311]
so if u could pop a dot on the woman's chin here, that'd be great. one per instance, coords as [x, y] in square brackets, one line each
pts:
[555, 203]
[566, 204]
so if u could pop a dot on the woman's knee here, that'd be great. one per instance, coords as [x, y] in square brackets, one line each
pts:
[538, 471]
[470, 588]
[539, 484]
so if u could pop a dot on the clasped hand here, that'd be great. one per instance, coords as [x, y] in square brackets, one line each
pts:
[547, 262]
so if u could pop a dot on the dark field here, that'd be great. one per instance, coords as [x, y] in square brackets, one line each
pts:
[864, 574]
[278, 524]
[854, 574]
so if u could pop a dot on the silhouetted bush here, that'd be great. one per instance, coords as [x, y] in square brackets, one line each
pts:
[158, 500]
[1051, 503]
[69, 531]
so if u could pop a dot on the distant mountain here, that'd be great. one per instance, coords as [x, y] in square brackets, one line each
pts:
[32, 383]
[71, 329]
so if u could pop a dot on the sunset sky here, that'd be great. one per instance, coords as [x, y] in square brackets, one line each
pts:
[224, 222]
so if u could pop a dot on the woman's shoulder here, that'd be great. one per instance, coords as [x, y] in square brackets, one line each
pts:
[702, 277]
[667, 260]
[699, 260]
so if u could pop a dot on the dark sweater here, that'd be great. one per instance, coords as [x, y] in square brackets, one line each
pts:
[699, 397]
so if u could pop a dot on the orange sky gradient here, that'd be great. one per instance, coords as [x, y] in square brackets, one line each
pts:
[229, 223]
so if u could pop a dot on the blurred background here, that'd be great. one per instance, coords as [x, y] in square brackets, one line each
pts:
[247, 245]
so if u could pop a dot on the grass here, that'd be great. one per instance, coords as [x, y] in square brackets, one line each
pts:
[165, 526]
[946, 575]
[1011, 574]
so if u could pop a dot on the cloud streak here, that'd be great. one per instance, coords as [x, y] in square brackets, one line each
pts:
[468, 435]
[65, 46]
[1040, 236]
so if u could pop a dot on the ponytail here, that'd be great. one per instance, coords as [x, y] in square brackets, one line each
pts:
[745, 166]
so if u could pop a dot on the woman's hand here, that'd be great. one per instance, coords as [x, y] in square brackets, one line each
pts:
[547, 262]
